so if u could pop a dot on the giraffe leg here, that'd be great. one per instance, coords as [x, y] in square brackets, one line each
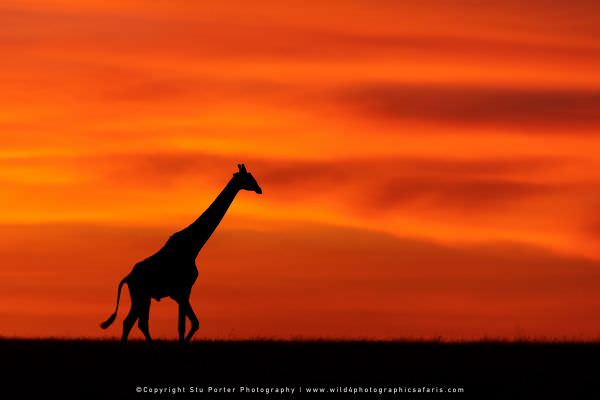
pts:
[132, 316]
[193, 319]
[144, 316]
[181, 322]
[128, 323]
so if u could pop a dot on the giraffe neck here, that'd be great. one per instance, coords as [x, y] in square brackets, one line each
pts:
[202, 229]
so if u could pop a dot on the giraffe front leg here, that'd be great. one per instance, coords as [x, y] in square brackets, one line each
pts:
[193, 319]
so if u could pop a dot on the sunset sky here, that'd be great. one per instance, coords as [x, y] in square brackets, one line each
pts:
[429, 168]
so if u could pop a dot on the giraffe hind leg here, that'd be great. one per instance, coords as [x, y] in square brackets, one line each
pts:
[181, 323]
[144, 316]
[128, 323]
[132, 316]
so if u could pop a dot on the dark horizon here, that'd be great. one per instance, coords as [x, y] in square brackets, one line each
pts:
[97, 369]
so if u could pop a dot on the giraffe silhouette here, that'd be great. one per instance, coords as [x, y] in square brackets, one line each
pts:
[171, 272]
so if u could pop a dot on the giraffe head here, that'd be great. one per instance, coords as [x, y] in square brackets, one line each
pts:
[245, 180]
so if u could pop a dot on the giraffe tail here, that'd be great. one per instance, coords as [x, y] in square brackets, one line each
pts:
[112, 318]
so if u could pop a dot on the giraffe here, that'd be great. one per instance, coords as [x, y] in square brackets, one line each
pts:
[171, 271]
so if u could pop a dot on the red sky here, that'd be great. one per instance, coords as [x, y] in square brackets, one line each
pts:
[429, 168]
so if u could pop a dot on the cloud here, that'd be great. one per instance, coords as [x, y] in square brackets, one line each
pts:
[592, 224]
[535, 110]
[490, 195]
[381, 185]
[370, 183]
[204, 36]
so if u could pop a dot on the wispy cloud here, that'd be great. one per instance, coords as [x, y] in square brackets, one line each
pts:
[538, 111]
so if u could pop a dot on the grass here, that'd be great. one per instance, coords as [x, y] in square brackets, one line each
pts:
[81, 369]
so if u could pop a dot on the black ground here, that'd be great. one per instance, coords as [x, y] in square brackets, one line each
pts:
[484, 370]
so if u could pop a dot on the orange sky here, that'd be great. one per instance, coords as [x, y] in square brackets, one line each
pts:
[429, 168]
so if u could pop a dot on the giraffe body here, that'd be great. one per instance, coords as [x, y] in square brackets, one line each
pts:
[171, 271]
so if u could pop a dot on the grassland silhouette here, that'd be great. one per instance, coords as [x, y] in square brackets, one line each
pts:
[89, 369]
[171, 271]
